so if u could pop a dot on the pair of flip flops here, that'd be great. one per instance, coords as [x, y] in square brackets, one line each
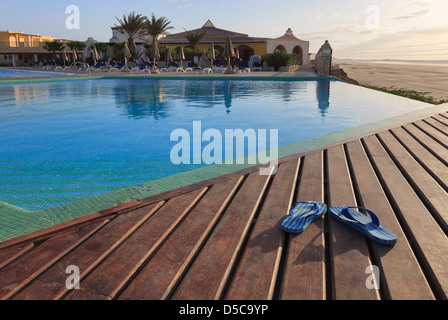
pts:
[302, 214]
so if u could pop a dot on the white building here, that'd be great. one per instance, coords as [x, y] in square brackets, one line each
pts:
[290, 44]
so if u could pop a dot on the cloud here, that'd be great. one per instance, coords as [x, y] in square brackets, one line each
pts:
[410, 10]
[410, 16]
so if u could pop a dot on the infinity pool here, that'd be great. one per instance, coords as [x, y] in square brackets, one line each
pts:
[69, 140]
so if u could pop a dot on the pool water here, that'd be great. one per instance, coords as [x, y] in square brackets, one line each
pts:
[17, 73]
[70, 140]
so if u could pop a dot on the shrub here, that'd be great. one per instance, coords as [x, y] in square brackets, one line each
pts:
[281, 59]
[412, 94]
[190, 53]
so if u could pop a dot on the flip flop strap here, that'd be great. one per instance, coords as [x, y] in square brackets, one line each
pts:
[310, 213]
[346, 213]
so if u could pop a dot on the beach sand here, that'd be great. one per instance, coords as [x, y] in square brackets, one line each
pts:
[423, 78]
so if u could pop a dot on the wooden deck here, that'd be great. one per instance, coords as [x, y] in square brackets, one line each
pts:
[221, 239]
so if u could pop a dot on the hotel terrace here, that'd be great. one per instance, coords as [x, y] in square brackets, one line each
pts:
[22, 49]
[246, 44]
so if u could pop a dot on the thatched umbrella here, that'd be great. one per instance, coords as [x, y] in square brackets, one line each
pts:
[229, 53]
[65, 57]
[203, 58]
[96, 56]
[237, 53]
[182, 55]
[211, 54]
[169, 56]
[155, 54]
[127, 54]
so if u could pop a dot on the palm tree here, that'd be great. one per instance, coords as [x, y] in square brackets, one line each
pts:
[54, 46]
[133, 24]
[78, 45]
[194, 39]
[156, 27]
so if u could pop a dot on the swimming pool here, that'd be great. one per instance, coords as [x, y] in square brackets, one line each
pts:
[65, 141]
[17, 73]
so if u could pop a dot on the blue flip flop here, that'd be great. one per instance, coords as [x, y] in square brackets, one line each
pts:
[370, 227]
[302, 214]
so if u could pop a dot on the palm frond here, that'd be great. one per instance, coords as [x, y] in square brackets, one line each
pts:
[194, 38]
[155, 27]
[134, 25]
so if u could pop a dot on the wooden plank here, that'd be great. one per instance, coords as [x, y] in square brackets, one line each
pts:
[436, 124]
[256, 275]
[392, 274]
[439, 151]
[51, 284]
[70, 225]
[209, 273]
[441, 119]
[9, 255]
[436, 198]
[22, 271]
[433, 133]
[304, 271]
[163, 271]
[428, 240]
[91, 296]
[431, 163]
[105, 278]
[349, 252]
[205, 183]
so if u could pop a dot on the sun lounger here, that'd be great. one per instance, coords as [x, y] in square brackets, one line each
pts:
[50, 65]
[255, 63]
[243, 66]
[172, 67]
[72, 66]
[100, 66]
[140, 67]
[193, 67]
[257, 66]
[220, 65]
[119, 67]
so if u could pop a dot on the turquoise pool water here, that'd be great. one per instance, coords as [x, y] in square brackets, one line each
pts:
[16, 73]
[69, 140]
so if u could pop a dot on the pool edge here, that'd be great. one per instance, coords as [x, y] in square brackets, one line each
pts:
[171, 77]
[56, 215]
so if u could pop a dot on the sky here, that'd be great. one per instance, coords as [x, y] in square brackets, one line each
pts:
[372, 29]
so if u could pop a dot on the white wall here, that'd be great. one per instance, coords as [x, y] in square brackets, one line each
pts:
[289, 46]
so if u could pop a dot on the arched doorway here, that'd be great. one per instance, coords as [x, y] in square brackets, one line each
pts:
[280, 48]
[245, 52]
[220, 49]
[298, 50]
